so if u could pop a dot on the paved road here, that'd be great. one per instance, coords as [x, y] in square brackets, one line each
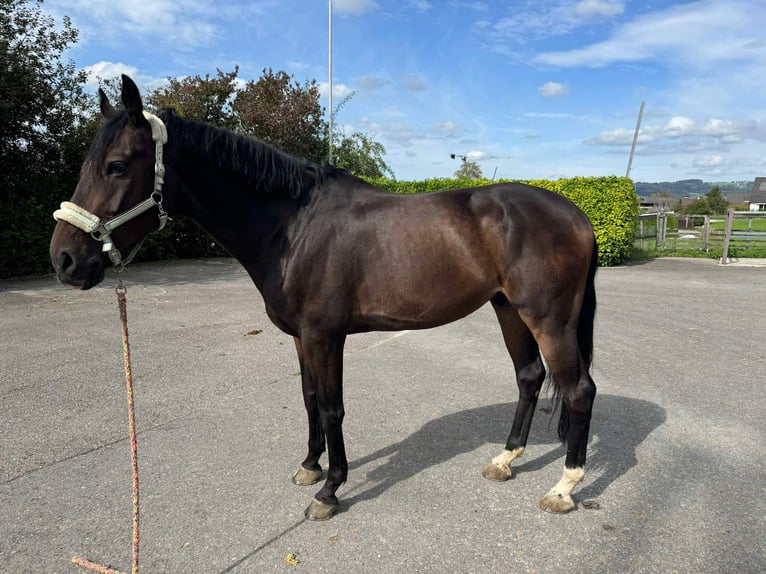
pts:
[676, 459]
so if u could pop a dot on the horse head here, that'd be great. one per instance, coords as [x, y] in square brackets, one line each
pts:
[118, 196]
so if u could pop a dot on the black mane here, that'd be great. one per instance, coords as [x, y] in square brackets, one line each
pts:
[266, 168]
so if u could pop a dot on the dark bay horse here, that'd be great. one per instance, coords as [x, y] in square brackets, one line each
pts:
[332, 255]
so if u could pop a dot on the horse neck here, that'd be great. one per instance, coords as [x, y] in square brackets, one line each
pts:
[249, 218]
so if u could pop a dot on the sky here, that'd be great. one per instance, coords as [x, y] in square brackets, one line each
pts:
[526, 88]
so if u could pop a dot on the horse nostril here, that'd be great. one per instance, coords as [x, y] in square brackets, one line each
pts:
[66, 262]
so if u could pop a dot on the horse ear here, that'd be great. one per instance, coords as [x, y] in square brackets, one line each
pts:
[107, 110]
[131, 99]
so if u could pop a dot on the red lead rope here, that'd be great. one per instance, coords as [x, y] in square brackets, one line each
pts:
[120, 290]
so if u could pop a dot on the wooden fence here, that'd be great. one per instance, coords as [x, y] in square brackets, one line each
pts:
[668, 231]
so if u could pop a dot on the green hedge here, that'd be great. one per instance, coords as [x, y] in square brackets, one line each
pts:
[26, 222]
[611, 204]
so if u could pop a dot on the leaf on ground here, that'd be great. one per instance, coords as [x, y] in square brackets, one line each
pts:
[254, 332]
[291, 559]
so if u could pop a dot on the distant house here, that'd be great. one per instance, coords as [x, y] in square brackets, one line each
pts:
[758, 202]
[757, 199]
[653, 204]
[735, 197]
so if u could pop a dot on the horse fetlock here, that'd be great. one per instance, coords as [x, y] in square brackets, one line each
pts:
[306, 477]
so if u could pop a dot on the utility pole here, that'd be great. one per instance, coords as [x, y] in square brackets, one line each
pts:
[635, 139]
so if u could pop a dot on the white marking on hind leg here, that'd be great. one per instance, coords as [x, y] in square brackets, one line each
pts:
[559, 497]
[571, 478]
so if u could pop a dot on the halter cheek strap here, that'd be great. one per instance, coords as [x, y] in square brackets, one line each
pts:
[101, 231]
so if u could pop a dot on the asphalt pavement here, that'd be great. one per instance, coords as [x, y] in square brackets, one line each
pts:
[675, 466]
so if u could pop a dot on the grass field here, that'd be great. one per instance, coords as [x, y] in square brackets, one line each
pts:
[756, 224]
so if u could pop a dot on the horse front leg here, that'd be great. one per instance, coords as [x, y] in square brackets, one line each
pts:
[323, 356]
[309, 472]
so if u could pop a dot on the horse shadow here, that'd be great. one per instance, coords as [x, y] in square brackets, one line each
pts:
[618, 427]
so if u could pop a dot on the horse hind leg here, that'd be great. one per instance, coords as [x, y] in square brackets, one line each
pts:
[530, 374]
[578, 391]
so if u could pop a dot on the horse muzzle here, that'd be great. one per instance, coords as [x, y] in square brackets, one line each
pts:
[83, 271]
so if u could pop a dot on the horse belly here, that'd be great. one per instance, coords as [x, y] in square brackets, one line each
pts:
[421, 292]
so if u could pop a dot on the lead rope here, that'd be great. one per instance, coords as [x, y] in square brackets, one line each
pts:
[121, 301]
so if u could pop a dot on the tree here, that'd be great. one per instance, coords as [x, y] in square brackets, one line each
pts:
[696, 207]
[203, 100]
[284, 113]
[43, 117]
[41, 96]
[468, 170]
[362, 156]
[716, 201]
[712, 204]
[357, 153]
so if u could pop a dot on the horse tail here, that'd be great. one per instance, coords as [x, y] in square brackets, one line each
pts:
[588, 312]
[584, 333]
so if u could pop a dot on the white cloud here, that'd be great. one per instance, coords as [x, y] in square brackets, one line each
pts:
[683, 135]
[595, 8]
[616, 137]
[413, 83]
[476, 155]
[296, 66]
[421, 5]
[677, 126]
[110, 70]
[541, 20]
[448, 128]
[371, 82]
[552, 90]
[709, 161]
[338, 90]
[107, 71]
[699, 33]
[553, 115]
[183, 26]
[354, 6]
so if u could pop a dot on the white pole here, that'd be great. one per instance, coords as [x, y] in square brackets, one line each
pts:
[635, 139]
[329, 52]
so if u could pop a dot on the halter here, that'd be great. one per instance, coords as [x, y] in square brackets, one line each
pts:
[101, 231]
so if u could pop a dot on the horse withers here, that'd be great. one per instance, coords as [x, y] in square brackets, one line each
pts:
[332, 255]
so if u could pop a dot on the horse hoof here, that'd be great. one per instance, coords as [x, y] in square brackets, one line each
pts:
[493, 472]
[306, 477]
[557, 503]
[320, 510]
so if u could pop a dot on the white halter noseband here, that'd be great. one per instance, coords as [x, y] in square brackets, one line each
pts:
[101, 231]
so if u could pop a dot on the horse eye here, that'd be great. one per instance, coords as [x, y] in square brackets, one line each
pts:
[116, 168]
